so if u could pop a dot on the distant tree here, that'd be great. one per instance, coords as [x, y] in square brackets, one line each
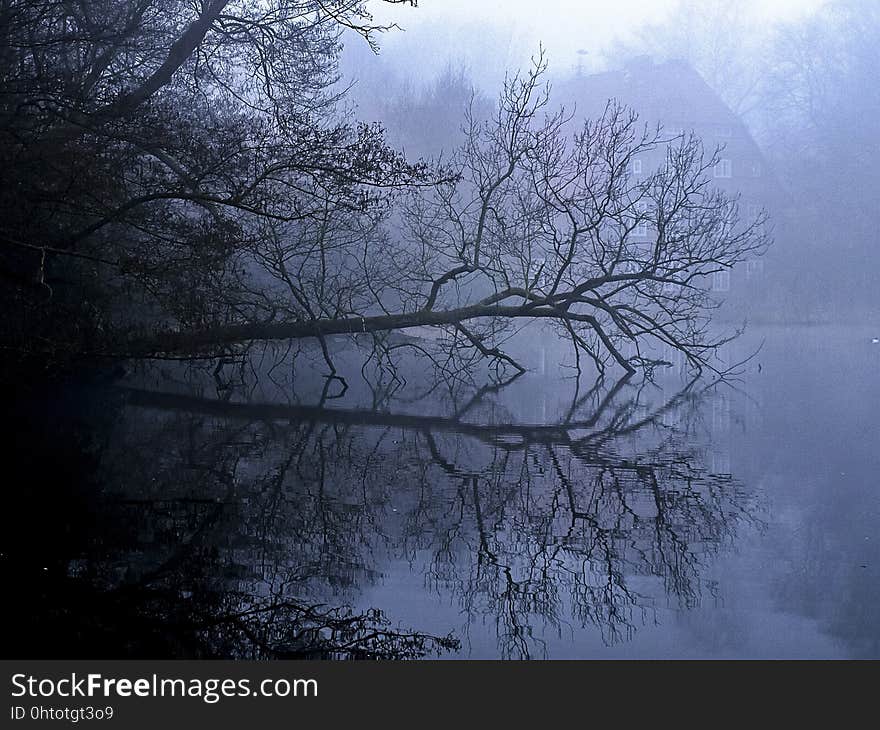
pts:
[717, 38]
[428, 122]
[821, 107]
[821, 86]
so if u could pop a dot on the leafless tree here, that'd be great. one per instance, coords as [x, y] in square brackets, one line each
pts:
[528, 526]
[185, 164]
[145, 143]
[538, 223]
[718, 38]
[818, 106]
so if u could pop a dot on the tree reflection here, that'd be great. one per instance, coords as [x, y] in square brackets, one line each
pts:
[243, 530]
[596, 535]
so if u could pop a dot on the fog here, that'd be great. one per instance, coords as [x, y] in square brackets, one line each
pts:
[574, 32]
[799, 76]
[501, 330]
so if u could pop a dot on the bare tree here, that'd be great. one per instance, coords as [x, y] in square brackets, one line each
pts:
[537, 223]
[524, 525]
[718, 38]
[176, 183]
[144, 143]
[819, 103]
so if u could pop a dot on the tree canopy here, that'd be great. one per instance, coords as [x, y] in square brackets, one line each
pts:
[144, 144]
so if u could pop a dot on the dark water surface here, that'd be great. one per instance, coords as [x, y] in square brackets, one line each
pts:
[536, 521]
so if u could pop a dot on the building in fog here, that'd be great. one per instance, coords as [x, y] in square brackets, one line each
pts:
[674, 95]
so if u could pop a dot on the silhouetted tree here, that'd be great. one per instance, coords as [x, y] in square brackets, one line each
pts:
[526, 525]
[536, 224]
[185, 164]
[146, 144]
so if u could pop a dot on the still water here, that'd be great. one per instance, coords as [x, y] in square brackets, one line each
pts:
[545, 519]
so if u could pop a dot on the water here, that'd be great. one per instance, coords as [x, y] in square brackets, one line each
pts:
[535, 521]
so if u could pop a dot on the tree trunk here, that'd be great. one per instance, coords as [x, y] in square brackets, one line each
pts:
[205, 340]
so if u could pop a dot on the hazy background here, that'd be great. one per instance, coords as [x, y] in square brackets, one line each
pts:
[799, 74]
[485, 35]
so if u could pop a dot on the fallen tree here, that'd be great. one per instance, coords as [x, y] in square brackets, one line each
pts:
[177, 182]
[539, 221]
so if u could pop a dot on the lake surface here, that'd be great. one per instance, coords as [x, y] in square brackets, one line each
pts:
[154, 517]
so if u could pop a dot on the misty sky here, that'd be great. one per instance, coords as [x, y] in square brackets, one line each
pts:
[513, 28]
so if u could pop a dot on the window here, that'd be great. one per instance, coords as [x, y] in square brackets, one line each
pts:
[721, 280]
[752, 211]
[637, 167]
[724, 131]
[641, 230]
[754, 268]
[721, 412]
[756, 169]
[724, 168]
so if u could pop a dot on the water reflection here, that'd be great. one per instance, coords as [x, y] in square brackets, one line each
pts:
[145, 523]
[247, 530]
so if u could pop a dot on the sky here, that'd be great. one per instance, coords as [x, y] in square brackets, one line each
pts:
[565, 27]
[568, 17]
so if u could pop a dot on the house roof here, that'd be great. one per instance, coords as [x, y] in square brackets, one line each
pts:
[672, 91]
